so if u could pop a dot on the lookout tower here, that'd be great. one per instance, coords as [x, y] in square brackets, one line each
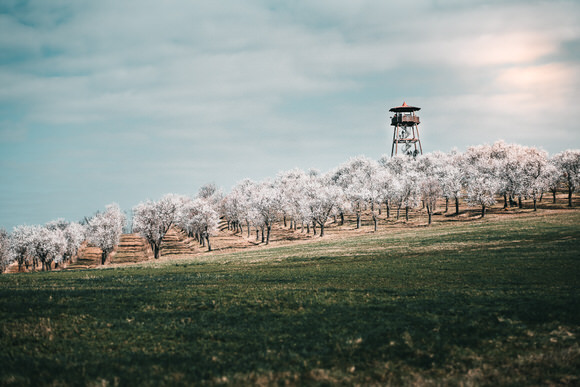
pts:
[405, 130]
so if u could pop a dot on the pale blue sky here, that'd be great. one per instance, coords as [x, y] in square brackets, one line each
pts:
[122, 101]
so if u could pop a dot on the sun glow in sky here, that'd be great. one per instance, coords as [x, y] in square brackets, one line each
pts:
[108, 101]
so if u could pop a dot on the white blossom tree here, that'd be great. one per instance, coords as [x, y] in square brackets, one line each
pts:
[568, 162]
[430, 189]
[104, 230]
[480, 177]
[554, 178]
[536, 174]
[22, 246]
[448, 172]
[291, 186]
[200, 218]
[267, 203]
[381, 186]
[404, 191]
[152, 220]
[243, 192]
[49, 246]
[321, 201]
[74, 234]
[5, 251]
[354, 177]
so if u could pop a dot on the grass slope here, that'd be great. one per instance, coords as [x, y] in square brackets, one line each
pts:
[485, 302]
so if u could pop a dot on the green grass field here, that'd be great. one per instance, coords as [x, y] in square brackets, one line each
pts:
[485, 302]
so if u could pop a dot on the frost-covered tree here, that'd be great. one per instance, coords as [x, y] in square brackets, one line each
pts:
[569, 164]
[152, 220]
[104, 230]
[5, 251]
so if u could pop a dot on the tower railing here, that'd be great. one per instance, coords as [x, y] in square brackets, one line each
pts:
[404, 118]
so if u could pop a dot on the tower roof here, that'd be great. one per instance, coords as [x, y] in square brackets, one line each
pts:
[404, 108]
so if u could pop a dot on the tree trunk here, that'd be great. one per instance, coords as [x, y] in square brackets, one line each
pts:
[398, 212]
[104, 256]
[358, 220]
[569, 196]
[429, 214]
[307, 228]
[257, 234]
[505, 201]
[207, 239]
[341, 218]
[285, 224]
[554, 196]
[157, 250]
[248, 228]
[535, 206]
[375, 221]
[321, 229]
[263, 235]
[407, 213]
[268, 229]
[482, 210]
[456, 206]
[520, 205]
[314, 227]
[388, 211]
[446, 205]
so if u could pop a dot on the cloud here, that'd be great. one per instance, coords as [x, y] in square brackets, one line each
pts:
[276, 85]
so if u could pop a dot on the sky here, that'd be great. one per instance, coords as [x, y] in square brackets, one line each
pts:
[123, 101]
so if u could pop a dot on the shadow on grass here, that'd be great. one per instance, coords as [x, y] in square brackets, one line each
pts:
[138, 335]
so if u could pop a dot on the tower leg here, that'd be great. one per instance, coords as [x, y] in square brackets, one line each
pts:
[419, 141]
[393, 146]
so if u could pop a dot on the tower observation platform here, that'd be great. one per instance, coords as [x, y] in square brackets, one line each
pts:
[405, 130]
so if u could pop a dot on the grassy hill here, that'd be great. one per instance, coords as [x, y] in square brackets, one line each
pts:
[492, 301]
